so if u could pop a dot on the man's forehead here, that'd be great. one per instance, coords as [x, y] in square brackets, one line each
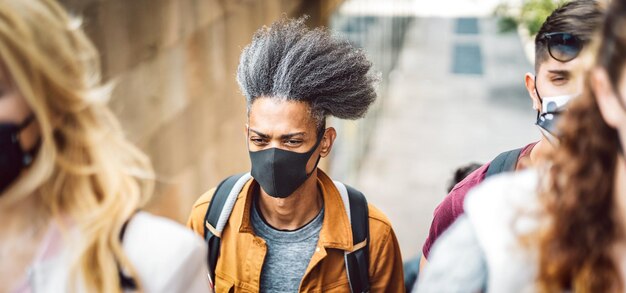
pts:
[280, 116]
[550, 65]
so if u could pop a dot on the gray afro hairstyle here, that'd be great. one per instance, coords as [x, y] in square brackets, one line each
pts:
[291, 62]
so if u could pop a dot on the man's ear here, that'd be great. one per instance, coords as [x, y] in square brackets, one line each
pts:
[327, 141]
[531, 87]
[610, 108]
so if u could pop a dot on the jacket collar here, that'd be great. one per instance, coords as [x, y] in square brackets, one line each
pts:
[336, 230]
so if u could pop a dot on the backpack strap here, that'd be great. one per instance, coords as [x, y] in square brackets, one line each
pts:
[357, 260]
[504, 162]
[217, 215]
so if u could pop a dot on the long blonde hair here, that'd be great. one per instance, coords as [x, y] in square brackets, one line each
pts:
[85, 170]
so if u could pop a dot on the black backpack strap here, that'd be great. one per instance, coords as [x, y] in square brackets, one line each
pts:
[126, 282]
[357, 260]
[504, 162]
[211, 234]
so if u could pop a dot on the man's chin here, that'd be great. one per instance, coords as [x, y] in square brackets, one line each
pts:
[553, 140]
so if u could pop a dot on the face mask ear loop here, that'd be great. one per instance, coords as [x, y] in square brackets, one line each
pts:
[540, 99]
[319, 141]
[23, 125]
[30, 154]
[26, 122]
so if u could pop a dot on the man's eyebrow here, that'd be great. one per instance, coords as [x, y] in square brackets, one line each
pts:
[263, 135]
[291, 135]
[284, 136]
[565, 73]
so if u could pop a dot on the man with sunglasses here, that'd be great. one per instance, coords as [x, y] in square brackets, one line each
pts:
[558, 78]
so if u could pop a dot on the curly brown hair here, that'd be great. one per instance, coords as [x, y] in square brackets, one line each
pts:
[575, 248]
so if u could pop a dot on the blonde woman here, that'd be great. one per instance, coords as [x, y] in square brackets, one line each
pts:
[70, 183]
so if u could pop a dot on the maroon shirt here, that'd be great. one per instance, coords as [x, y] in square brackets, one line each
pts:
[452, 205]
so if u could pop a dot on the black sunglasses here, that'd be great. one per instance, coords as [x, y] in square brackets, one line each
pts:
[563, 46]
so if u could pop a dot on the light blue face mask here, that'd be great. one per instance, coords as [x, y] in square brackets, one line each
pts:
[552, 109]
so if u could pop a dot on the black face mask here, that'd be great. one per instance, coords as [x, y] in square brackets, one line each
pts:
[12, 158]
[281, 172]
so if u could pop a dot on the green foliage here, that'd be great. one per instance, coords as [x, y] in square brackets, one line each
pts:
[507, 24]
[532, 14]
[535, 12]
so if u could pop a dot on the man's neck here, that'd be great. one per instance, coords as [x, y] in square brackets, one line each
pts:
[540, 150]
[294, 211]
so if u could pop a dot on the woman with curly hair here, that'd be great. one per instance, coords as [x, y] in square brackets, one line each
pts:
[70, 182]
[562, 227]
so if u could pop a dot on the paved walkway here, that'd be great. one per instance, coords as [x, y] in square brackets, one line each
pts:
[435, 120]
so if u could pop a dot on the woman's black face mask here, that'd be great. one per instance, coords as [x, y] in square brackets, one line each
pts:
[12, 158]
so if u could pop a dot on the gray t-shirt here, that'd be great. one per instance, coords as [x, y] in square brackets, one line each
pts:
[288, 252]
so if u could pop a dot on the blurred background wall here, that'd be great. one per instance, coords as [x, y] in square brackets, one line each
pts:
[381, 36]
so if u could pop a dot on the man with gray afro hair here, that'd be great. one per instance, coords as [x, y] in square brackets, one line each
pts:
[287, 226]
[290, 62]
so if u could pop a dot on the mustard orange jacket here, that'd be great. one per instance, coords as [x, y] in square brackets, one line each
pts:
[242, 252]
